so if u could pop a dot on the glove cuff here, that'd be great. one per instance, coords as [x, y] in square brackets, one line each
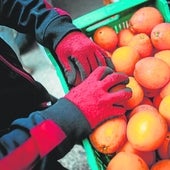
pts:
[70, 119]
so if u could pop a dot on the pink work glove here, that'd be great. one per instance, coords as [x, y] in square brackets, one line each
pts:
[95, 101]
[79, 56]
[88, 105]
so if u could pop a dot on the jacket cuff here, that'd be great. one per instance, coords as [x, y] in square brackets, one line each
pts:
[69, 118]
[56, 30]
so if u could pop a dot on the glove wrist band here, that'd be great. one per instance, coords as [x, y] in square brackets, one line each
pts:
[69, 118]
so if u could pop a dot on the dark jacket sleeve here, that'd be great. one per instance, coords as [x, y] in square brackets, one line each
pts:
[55, 129]
[28, 141]
[47, 25]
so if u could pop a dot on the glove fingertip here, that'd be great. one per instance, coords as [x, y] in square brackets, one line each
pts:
[129, 89]
[70, 78]
[106, 72]
[127, 93]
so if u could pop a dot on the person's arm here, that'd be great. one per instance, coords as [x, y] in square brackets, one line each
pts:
[47, 25]
[29, 140]
[67, 122]
[53, 28]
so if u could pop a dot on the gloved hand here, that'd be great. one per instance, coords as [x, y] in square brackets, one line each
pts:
[88, 105]
[79, 56]
[95, 101]
[72, 118]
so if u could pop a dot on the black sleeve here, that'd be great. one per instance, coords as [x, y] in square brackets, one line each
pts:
[47, 25]
[55, 129]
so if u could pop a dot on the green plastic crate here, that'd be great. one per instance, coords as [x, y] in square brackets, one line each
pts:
[117, 16]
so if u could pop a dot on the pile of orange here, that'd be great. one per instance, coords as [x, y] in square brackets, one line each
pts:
[142, 51]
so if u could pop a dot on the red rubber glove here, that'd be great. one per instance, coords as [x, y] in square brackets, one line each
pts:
[95, 101]
[79, 56]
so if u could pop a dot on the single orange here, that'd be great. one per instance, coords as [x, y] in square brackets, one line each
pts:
[124, 59]
[109, 54]
[109, 136]
[106, 2]
[106, 37]
[124, 36]
[164, 149]
[160, 36]
[157, 100]
[144, 19]
[146, 130]
[161, 165]
[142, 107]
[152, 73]
[165, 90]
[127, 161]
[163, 55]
[137, 94]
[164, 108]
[117, 88]
[149, 157]
[142, 43]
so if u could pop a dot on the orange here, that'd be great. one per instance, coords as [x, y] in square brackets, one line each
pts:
[164, 108]
[109, 136]
[164, 149]
[117, 88]
[142, 43]
[144, 19]
[142, 107]
[149, 157]
[163, 55]
[106, 2]
[156, 100]
[161, 165]
[146, 130]
[160, 36]
[106, 37]
[127, 161]
[124, 36]
[109, 54]
[124, 59]
[165, 90]
[137, 94]
[152, 73]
